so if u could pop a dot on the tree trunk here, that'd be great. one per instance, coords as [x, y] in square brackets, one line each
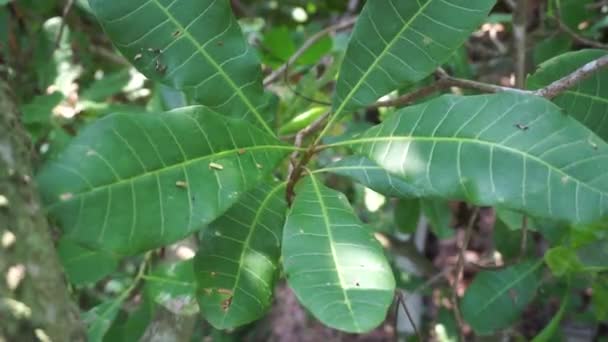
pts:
[39, 303]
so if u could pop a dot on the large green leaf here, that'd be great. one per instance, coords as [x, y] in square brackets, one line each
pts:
[509, 150]
[496, 299]
[192, 45]
[396, 43]
[173, 286]
[84, 266]
[367, 172]
[333, 262]
[237, 264]
[131, 183]
[588, 101]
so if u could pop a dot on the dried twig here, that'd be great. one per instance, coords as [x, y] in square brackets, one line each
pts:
[459, 270]
[401, 302]
[565, 83]
[573, 34]
[66, 10]
[524, 238]
[343, 25]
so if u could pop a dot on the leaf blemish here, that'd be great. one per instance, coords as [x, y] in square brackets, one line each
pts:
[66, 196]
[216, 166]
[176, 33]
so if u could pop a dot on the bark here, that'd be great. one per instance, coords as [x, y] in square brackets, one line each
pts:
[43, 289]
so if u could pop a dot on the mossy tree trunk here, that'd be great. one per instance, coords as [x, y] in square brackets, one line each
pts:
[43, 290]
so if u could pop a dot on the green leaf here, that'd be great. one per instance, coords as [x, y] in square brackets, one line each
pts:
[130, 183]
[599, 298]
[507, 150]
[407, 215]
[100, 318]
[496, 299]
[237, 263]
[551, 329]
[371, 175]
[173, 286]
[192, 45]
[397, 43]
[439, 214]
[83, 265]
[588, 101]
[562, 261]
[333, 263]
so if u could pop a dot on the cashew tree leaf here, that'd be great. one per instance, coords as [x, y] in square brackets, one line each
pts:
[509, 150]
[134, 182]
[192, 45]
[237, 263]
[368, 173]
[334, 264]
[496, 299]
[397, 43]
[588, 100]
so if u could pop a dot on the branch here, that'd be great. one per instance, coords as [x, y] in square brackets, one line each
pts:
[573, 34]
[520, 21]
[66, 10]
[343, 25]
[459, 269]
[296, 166]
[563, 84]
[43, 289]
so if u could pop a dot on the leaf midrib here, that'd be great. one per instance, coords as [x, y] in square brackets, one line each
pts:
[471, 141]
[325, 215]
[212, 61]
[252, 229]
[185, 163]
[380, 57]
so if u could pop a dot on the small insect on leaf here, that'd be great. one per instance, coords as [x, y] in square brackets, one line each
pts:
[138, 57]
[592, 143]
[181, 184]
[242, 151]
[176, 33]
[259, 166]
[155, 51]
[522, 126]
[216, 166]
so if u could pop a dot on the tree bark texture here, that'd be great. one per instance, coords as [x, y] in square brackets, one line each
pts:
[42, 292]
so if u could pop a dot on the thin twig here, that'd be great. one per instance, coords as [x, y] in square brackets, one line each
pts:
[276, 75]
[459, 270]
[66, 10]
[295, 165]
[524, 238]
[520, 21]
[401, 301]
[563, 84]
[573, 34]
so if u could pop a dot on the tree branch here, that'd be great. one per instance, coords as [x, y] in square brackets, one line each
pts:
[276, 75]
[43, 288]
[459, 270]
[565, 83]
[520, 25]
[574, 35]
[295, 165]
